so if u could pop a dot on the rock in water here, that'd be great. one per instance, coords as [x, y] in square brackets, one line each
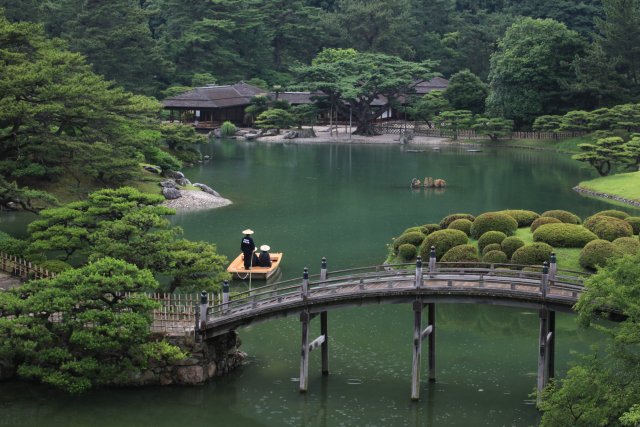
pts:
[207, 189]
[171, 193]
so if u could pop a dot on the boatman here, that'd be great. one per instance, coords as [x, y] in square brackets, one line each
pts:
[247, 247]
[264, 259]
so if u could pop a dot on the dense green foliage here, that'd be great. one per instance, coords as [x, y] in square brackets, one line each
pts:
[407, 251]
[564, 235]
[490, 237]
[524, 217]
[443, 240]
[533, 254]
[461, 253]
[493, 221]
[597, 252]
[510, 245]
[544, 220]
[414, 238]
[607, 227]
[450, 218]
[634, 221]
[462, 224]
[563, 216]
[491, 247]
[495, 257]
[627, 245]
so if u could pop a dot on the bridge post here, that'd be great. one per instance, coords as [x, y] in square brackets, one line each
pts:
[417, 349]
[304, 353]
[204, 305]
[543, 354]
[324, 274]
[325, 345]
[544, 284]
[432, 260]
[419, 272]
[225, 296]
[305, 284]
[551, 345]
[553, 268]
[431, 320]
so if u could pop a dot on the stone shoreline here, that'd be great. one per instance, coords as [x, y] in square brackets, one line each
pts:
[592, 193]
[196, 200]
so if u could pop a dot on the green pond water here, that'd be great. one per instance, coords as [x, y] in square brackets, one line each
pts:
[346, 202]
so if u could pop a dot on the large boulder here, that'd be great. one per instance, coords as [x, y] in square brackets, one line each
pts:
[152, 169]
[174, 174]
[183, 182]
[168, 183]
[290, 134]
[171, 193]
[251, 136]
[207, 189]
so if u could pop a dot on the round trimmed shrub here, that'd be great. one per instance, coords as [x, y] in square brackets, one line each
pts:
[608, 227]
[495, 257]
[427, 229]
[627, 245]
[524, 217]
[450, 218]
[461, 224]
[493, 221]
[416, 229]
[533, 254]
[634, 221]
[613, 213]
[563, 216]
[563, 235]
[57, 266]
[544, 220]
[491, 247]
[461, 253]
[510, 245]
[414, 238]
[443, 240]
[490, 237]
[597, 252]
[407, 251]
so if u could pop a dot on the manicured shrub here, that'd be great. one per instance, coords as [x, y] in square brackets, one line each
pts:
[414, 238]
[510, 245]
[608, 227]
[416, 229]
[493, 221]
[524, 217]
[544, 220]
[564, 235]
[427, 229]
[634, 221]
[56, 265]
[227, 129]
[495, 257]
[407, 251]
[461, 253]
[627, 245]
[597, 252]
[564, 216]
[491, 247]
[614, 213]
[450, 218]
[490, 237]
[443, 240]
[462, 224]
[13, 246]
[534, 254]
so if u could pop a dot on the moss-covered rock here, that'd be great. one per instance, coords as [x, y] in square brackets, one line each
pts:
[627, 245]
[510, 245]
[634, 221]
[495, 257]
[564, 216]
[461, 224]
[407, 251]
[523, 217]
[533, 254]
[414, 238]
[491, 247]
[564, 235]
[443, 240]
[461, 253]
[450, 218]
[490, 237]
[608, 227]
[544, 220]
[597, 252]
[493, 221]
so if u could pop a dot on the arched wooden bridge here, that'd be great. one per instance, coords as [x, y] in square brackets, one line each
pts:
[545, 288]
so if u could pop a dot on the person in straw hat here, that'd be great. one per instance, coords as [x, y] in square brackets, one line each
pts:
[247, 247]
[264, 260]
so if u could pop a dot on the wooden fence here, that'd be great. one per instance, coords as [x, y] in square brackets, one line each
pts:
[22, 268]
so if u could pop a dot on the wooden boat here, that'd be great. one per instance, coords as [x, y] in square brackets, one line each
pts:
[260, 273]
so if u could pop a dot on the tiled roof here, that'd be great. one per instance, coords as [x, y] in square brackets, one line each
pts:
[215, 96]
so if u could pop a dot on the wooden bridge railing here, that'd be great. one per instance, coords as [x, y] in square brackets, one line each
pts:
[22, 268]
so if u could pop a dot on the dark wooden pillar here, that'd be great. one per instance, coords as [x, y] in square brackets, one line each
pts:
[417, 349]
[325, 345]
[432, 341]
[304, 352]
[552, 345]
[546, 363]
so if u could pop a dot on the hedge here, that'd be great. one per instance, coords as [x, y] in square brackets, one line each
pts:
[490, 237]
[493, 221]
[427, 229]
[608, 227]
[524, 217]
[416, 229]
[407, 251]
[613, 213]
[461, 253]
[450, 218]
[564, 235]
[510, 245]
[564, 216]
[596, 253]
[443, 240]
[491, 247]
[627, 245]
[544, 220]
[414, 238]
[533, 254]
[634, 221]
[495, 257]
[461, 224]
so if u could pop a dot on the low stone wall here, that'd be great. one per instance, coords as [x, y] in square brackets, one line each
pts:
[606, 196]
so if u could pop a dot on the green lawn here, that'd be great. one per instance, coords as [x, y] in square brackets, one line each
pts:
[569, 145]
[625, 185]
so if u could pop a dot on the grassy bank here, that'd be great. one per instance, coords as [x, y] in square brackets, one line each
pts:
[626, 185]
[569, 145]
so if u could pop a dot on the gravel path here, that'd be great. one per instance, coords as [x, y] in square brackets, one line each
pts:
[195, 199]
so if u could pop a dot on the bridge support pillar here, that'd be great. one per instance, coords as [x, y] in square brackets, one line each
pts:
[546, 363]
[325, 345]
[304, 353]
[431, 319]
[420, 334]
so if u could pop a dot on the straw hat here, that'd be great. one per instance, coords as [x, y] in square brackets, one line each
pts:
[248, 231]
[265, 248]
